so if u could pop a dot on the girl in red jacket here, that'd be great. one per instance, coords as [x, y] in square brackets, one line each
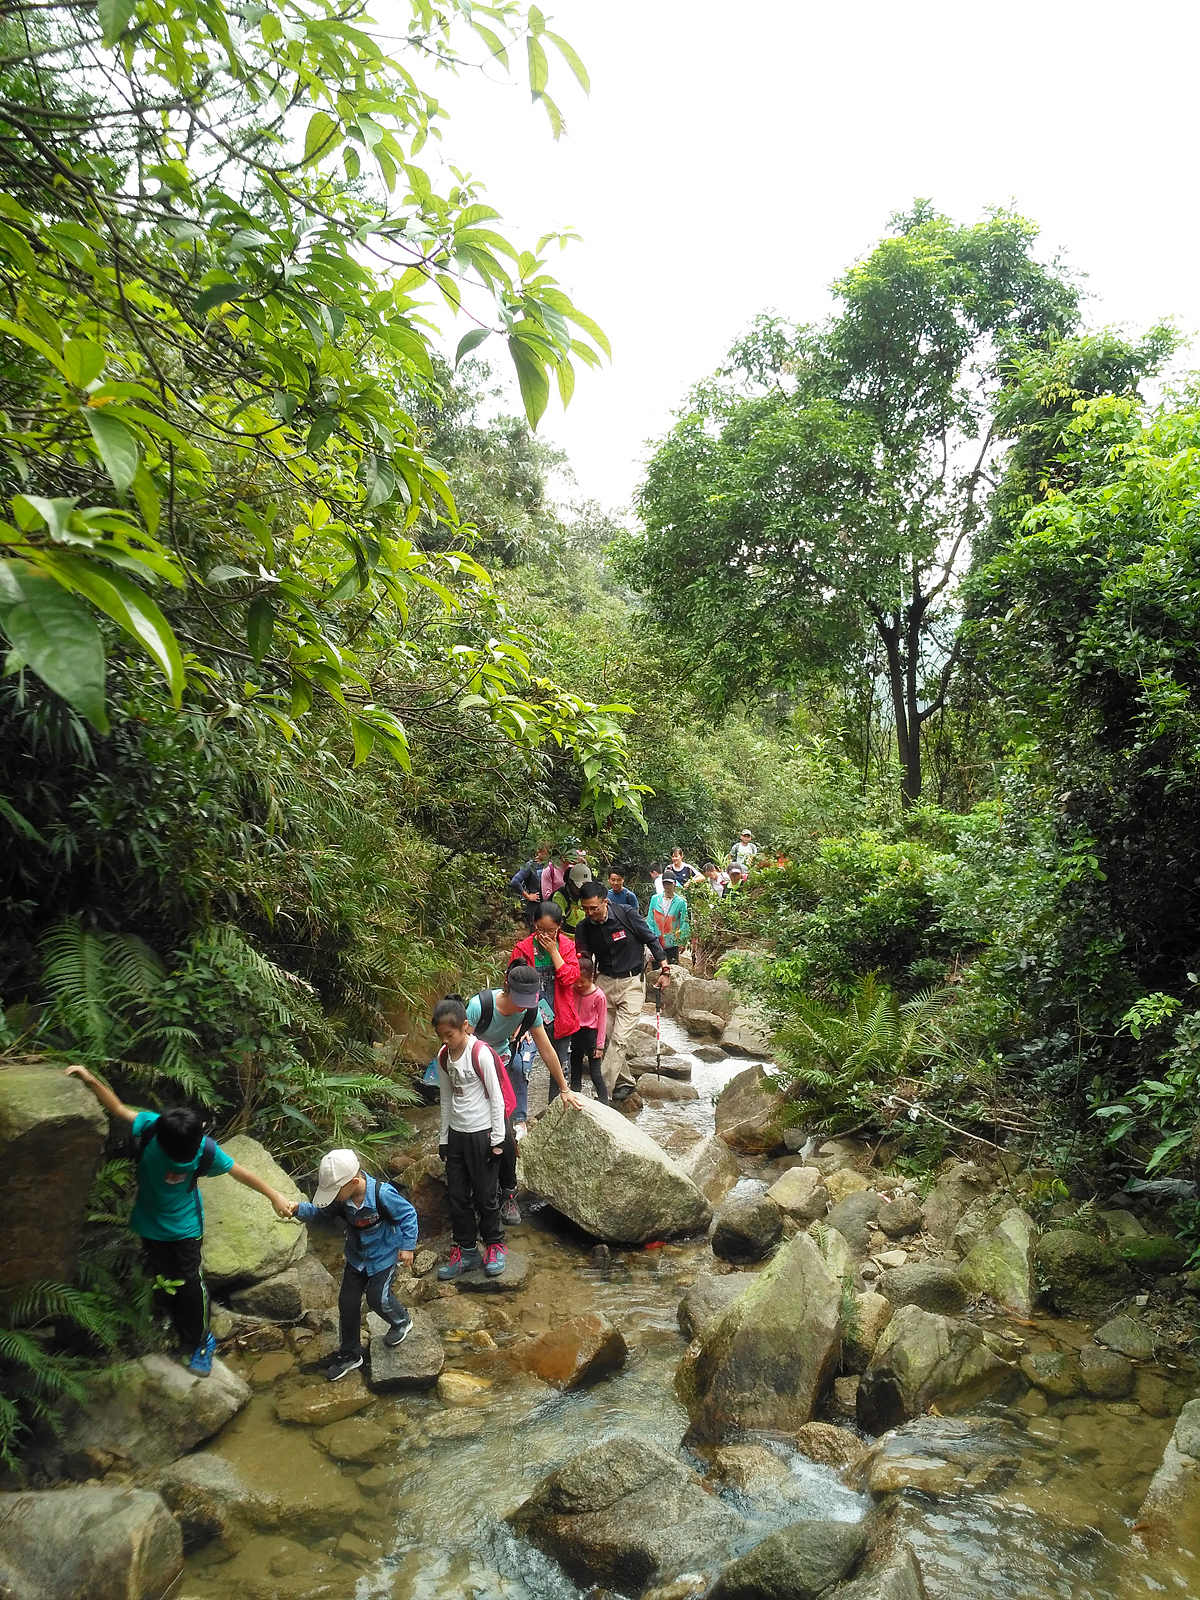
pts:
[552, 953]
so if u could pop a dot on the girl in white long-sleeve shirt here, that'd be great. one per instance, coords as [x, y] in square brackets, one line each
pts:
[472, 1138]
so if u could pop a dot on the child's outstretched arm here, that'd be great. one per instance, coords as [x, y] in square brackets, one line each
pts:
[114, 1107]
[283, 1208]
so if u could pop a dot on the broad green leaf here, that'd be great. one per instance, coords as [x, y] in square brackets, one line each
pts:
[260, 625]
[468, 342]
[319, 138]
[572, 60]
[83, 361]
[539, 67]
[32, 510]
[531, 376]
[17, 330]
[364, 737]
[223, 573]
[220, 294]
[117, 446]
[565, 374]
[380, 482]
[115, 16]
[128, 606]
[57, 635]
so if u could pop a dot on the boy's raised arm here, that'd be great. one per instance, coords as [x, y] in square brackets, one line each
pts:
[114, 1107]
[283, 1208]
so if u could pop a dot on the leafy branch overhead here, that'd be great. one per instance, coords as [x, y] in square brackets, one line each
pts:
[220, 262]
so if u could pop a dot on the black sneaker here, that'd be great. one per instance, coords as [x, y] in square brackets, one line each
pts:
[621, 1092]
[341, 1365]
[397, 1333]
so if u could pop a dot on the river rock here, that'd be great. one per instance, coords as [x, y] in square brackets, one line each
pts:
[624, 1513]
[829, 1446]
[747, 1033]
[924, 1359]
[943, 1456]
[747, 1228]
[925, 1284]
[1001, 1266]
[713, 996]
[609, 1177]
[653, 1087]
[894, 1577]
[670, 1067]
[752, 1469]
[797, 1563]
[1169, 1518]
[706, 1025]
[319, 1404]
[49, 1124]
[318, 1291]
[748, 1111]
[1106, 1375]
[353, 1440]
[456, 1388]
[854, 1217]
[577, 1352]
[1128, 1337]
[511, 1280]
[841, 1182]
[243, 1238]
[278, 1298]
[769, 1359]
[415, 1364]
[900, 1216]
[87, 1543]
[834, 1250]
[151, 1411]
[707, 1298]
[960, 1185]
[708, 1052]
[209, 1498]
[1054, 1372]
[800, 1193]
[1082, 1277]
[315, 1498]
[862, 1324]
[712, 1167]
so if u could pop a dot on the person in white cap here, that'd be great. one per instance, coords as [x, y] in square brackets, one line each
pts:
[381, 1231]
[744, 852]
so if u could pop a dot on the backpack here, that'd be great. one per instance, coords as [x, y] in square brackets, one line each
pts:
[506, 1088]
[208, 1153]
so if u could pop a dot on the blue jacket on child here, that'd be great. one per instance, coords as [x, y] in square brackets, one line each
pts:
[384, 1224]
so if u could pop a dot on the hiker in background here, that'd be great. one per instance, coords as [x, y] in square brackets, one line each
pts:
[471, 1142]
[566, 896]
[173, 1154]
[668, 916]
[550, 951]
[617, 940]
[654, 873]
[744, 851]
[718, 881]
[618, 893]
[381, 1232]
[737, 877]
[683, 870]
[526, 882]
[587, 1042]
[554, 872]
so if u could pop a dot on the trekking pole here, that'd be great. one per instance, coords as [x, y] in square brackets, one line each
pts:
[658, 1032]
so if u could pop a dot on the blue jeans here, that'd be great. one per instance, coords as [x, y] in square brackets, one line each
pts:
[519, 1068]
[562, 1049]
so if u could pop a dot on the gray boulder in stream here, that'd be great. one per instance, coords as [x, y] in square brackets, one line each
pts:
[608, 1176]
[624, 1514]
[797, 1563]
[89, 1543]
[769, 1359]
[712, 1167]
[924, 1359]
[747, 1229]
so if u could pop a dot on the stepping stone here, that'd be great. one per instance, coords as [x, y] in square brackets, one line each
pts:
[510, 1280]
[415, 1364]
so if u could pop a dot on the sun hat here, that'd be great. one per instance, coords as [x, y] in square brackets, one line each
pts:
[336, 1169]
[526, 990]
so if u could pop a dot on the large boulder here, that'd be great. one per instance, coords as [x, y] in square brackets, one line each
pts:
[800, 1194]
[710, 996]
[243, 1238]
[1001, 1265]
[864, 1317]
[210, 1499]
[624, 1513]
[608, 1176]
[748, 1113]
[1169, 1519]
[654, 1086]
[921, 1360]
[959, 1186]
[769, 1359]
[797, 1563]
[927, 1284]
[712, 1167]
[854, 1217]
[1081, 1276]
[900, 1216]
[894, 1577]
[707, 1298]
[279, 1299]
[747, 1033]
[577, 1352]
[88, 1543]
[663, 1066]
[749, 1226]
[289, 1469]
[150, 1411]
[52, 1133]
[1128, 1336]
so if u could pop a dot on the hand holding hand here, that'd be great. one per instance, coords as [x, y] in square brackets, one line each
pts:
[284, 1209]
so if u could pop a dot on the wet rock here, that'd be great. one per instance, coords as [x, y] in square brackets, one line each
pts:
[1169, 1518]
[853, 1216]
[900, 1216]
[1152, 1394]
[748, 1111]
[624, 1513]
[577, 1352]
[277, 1568]
[270, 1368]
[314, 1496]
[829, 1446]
[769, 1359]
[243, 1238]
[752, 1469]
[942, 1456]
[1001, 1265]
[353, 1440]
[713, 996]
[652, 1087]
[706, 1025]
[707, 1298]
[749, 1226]
[958, 1187]
[319, 1404]
[712, 1167]
[842, 1182]
[318, 1291]
[1128, 1337]
[87, 1543]
[1154, 1256]
[49, 1124]
[894, 1577]
[843, 1401]
[709, 1052]
[209, 1499]
[797, 1563]
[747, 1033]
[924, 1359]
[668, 1068]
[278, 1298]
[415, 1364]
[1106, 1375]
[801, 1193]
[153, 1410]
[1055, 1372]
[609, 1177]
[925, 1284]
[462, 1389]
[510, 1281]
[1082, 1277]
[462, 1423]
[863, 1321]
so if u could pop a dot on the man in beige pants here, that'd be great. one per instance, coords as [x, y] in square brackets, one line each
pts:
[617, 938]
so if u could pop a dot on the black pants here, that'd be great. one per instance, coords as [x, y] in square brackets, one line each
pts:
[671, 951]
[506, 1173]
[377, 1286]
[562, 1049]
[173, 1260]
[472, 1187]
[583, 1050]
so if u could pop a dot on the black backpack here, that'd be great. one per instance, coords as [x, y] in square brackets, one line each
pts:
[208, 1153]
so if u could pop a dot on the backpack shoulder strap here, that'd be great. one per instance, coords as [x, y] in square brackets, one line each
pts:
[143, 1139]
[487, 1008]
[208, 1154]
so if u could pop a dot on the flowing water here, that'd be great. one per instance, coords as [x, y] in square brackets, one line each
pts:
[422, 1519]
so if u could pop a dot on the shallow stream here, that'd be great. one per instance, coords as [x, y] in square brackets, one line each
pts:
[422, 1519]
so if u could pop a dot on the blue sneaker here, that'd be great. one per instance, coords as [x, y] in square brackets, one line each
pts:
[495, 1259]
[201, 1362]
[460, 1261]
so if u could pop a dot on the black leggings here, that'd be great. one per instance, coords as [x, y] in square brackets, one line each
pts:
[583, 1048]
[187, 1305]
[472, 1187]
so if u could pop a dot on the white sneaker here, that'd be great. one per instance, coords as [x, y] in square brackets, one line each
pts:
[519, 1131]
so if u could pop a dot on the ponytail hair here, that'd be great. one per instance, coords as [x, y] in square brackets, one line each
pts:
[451, 1009]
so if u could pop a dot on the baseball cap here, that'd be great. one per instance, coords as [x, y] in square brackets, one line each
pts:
[524, 988]
[579, 874]
[746, 831]
[336, 1169]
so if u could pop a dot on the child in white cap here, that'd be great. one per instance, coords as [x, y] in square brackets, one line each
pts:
[381, 1231]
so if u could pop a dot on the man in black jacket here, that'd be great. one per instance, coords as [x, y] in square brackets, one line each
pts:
[617, 939]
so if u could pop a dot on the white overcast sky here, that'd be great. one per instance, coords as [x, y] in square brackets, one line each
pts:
[735, 158]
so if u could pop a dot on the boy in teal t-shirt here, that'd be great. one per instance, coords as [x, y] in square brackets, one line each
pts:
[168, 1215]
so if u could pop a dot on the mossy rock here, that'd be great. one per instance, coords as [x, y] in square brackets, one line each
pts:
[1154, 1256]
[1081, 1276]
